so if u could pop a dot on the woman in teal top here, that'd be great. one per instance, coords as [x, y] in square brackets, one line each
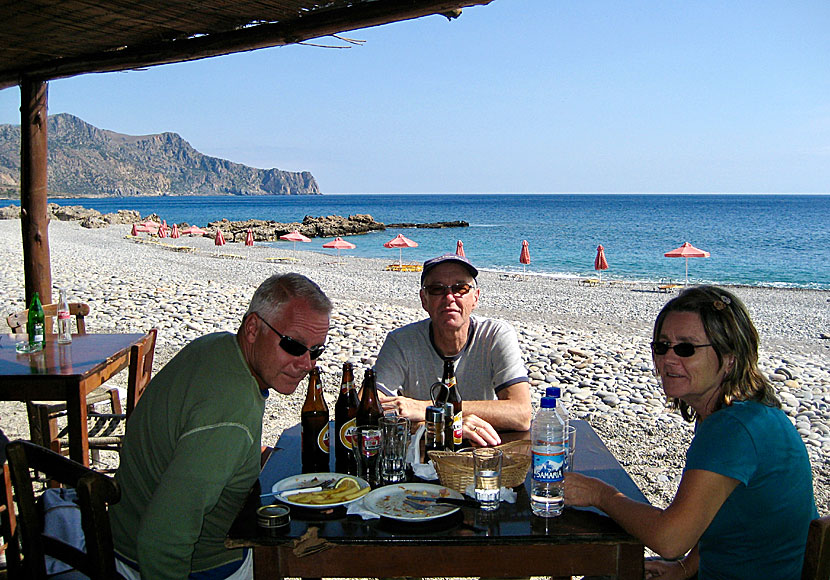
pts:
[745, 500]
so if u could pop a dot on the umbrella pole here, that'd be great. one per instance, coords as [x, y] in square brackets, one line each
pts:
[687, 271]
[400, 259]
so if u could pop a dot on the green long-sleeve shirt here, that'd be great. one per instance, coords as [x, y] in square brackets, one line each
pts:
[190, 457]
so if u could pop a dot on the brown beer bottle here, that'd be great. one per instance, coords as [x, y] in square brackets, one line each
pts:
[454, 398]
[345, 411]
[369, 413]
[314, 419]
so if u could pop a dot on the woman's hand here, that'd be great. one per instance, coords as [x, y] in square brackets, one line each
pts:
[584, 491]
[664, 570]
[479, 432]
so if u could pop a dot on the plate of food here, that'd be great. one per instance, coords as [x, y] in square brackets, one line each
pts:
[319, 490]
[401, 501]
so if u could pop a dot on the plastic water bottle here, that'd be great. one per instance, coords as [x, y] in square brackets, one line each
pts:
[561, 410]
[548, 449]
[64, 320]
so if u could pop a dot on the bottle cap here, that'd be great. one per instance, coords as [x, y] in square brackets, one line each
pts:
[553, 392]
[434, 414]
[548, 402]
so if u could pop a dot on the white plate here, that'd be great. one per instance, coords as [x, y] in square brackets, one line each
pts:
[307, 480]
[388, 501]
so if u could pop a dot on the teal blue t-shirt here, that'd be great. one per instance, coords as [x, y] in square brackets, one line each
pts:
[761, 529]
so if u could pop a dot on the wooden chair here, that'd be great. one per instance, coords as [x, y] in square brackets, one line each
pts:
[95, 492]
[106, 430]
[9, 540]
[43, 415]
[817, 554]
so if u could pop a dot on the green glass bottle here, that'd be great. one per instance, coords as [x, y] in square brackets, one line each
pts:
[36, 325]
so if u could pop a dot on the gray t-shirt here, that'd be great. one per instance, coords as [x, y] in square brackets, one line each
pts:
[409, 363]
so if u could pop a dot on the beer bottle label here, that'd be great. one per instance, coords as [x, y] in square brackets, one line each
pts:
[457, 429]
[346, 434]
[38, 334]
[323, 439]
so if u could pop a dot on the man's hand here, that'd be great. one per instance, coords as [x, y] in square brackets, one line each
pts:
[479, 432]
[413, 409]
[664, 570]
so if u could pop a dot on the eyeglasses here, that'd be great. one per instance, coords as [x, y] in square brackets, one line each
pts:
[682, 349]
[441, 289]
[295, 347]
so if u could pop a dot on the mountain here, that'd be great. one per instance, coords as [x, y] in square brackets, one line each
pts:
[85, 161]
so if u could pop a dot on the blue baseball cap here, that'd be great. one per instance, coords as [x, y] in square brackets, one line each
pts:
[430, 264]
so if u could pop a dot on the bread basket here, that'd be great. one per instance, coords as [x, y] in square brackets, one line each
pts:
[456, 471]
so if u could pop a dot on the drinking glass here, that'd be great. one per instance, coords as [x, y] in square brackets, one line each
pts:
[569, 458]
[394, 433]
[366, 447]
[488, 462]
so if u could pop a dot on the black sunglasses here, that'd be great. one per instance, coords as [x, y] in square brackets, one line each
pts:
[683, 349]
[295, 347]
[441, 289]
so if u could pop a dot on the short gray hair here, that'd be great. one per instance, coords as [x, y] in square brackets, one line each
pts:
[280, 289]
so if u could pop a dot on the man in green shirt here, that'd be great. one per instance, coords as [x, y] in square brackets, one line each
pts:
[192, 449]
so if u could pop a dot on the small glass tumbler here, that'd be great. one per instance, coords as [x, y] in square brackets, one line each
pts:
[394, 432]
[488, 463]
[571, 443]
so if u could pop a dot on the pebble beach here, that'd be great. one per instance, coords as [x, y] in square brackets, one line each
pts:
[592, 341]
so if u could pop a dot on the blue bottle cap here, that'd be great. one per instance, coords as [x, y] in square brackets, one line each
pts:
[548, 402]
[553, 392]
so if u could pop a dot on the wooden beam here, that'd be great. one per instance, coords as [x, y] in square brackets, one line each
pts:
[313, 25]
[34, 221]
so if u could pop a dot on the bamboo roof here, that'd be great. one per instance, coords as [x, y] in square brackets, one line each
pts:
[49, 39]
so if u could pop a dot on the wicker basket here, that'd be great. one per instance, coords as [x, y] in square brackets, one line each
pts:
[455, 470]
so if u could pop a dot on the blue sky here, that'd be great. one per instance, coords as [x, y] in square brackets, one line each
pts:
[521, 96]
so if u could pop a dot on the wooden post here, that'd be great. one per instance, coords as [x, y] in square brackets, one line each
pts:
[34, 221]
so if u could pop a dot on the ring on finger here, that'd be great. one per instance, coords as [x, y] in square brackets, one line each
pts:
[473, 428]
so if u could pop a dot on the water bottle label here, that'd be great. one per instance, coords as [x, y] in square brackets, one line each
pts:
[548, 465]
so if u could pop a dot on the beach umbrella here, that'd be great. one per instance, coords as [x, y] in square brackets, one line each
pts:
[400, 241]
[194, 231]
[249, 237]
[339, 244]
[459, 248]
[134, 231]
[219, 240]
[295, 237]
[163, 229]
[600, 263]
[687, 251]
[174, 233]
[524, 255]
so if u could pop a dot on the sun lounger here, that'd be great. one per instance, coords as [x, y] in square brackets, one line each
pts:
[404, 267]
[589, 282]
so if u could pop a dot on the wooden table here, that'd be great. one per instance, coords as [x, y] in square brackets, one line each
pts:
[508, 542]
[64, 372]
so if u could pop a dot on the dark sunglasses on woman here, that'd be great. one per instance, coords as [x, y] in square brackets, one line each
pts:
[682, 349]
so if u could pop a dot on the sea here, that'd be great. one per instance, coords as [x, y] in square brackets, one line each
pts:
[757, 240]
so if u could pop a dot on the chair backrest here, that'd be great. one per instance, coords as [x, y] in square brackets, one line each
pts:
[817, 554]
[95, 492]
[141, 368]
[9, 540]
[17, 321]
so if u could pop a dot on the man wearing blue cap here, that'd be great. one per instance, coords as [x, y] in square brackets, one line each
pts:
[491, 376]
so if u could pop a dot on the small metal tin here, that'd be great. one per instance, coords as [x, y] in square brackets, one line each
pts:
[273, 518]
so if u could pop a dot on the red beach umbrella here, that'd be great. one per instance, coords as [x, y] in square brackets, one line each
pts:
[400, 241]
[459, 249]
[600, 263]
[194, 231]
[249, 237]
[163, 229]
[524, 256]
[134, 231]
[295, 237]
[174, 233]
[219, 240]
[687, 251]
[339, 244]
